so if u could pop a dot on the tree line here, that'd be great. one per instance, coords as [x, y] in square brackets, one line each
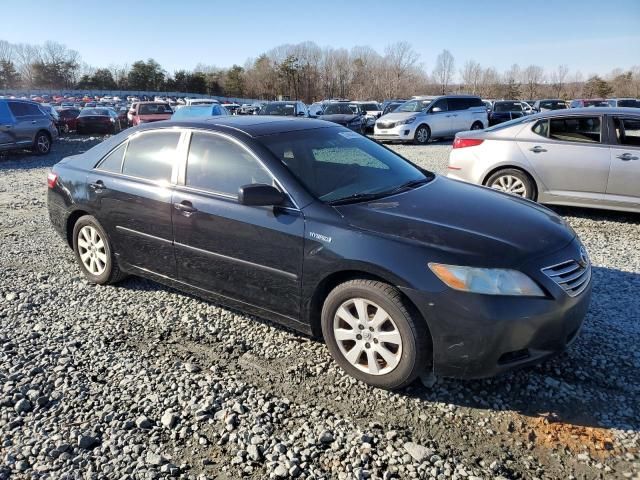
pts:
[309, 72]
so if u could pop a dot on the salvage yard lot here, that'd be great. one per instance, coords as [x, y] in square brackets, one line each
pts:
[140, 381]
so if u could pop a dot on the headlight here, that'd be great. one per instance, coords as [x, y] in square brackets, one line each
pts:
[489, 281]
[406, 122]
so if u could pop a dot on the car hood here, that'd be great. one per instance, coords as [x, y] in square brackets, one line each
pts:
[395, 116]
[338, 117]
[461, 222]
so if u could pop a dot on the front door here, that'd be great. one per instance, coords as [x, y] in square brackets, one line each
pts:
[130, 192]
[624, 177]
[569, 156]
[249, 254]
[440, 119]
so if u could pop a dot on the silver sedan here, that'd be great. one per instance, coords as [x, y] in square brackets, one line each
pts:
[586, 157]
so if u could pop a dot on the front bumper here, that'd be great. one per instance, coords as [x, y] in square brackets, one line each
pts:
[478, 336]
[399, 133]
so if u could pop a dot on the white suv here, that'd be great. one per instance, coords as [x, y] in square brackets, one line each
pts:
[423, 118]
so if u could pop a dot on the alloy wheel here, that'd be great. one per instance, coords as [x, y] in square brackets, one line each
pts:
[92, 250]
[510, 184]
[367, 336]
[43, 144]
[422, 135]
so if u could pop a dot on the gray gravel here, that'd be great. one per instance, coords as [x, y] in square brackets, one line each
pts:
[140, 381]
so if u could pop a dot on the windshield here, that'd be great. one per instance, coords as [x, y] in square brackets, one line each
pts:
[335, 164]
[507, 107]
[86, 112]
[154, 109]
[341, 109]
[508, 124]
[283, 109]
[414, 106]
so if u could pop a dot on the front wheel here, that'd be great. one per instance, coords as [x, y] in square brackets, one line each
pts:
[94, 253]
[42, 143]
[477, 126]
[374, 335]
[422, 135]
[512, 181]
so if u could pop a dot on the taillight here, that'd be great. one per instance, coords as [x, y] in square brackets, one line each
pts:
[52, 178]
[466, 142]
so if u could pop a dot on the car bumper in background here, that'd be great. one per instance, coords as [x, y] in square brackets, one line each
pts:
[399, 133]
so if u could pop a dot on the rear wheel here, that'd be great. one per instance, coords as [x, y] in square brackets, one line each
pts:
[477, 126]
[422, 135]
[513, 181]
[42, 143]
[374, 335]
[94, 253]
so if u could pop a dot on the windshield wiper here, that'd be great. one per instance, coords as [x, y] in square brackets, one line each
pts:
[408, 185]
[357, 197]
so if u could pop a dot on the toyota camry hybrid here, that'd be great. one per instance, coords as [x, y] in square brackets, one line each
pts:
[312, 225]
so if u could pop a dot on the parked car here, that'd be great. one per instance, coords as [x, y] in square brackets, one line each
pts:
[348, 114]
[549, 104]
[373, 111]
[587, 158]
[624, 102]
[589, 102]
[527, 107]
[323, 230]
[98, 120]
[232, 108]
[23, 124]
[199, 111]
[316, 108]
[505, 110]
[200, 101]
[421, 119]
[286, 109]
[391, 106]
[145, 112]
[68, 119]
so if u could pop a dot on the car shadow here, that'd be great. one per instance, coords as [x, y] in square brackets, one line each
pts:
[596, 214]
[594, 383]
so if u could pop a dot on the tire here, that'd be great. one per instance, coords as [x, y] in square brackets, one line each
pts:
[477, 126]
[408, 349]
[42, 143]
[514, 182]
[422, 135]
[98, 248]
[65, 128]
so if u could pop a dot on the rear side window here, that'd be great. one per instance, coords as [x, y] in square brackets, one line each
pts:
[628, 131]
[151, 155]
[19, 109]
[575, 129]
[220, 165]
[458, 104]
[541, 128]
[113, 161]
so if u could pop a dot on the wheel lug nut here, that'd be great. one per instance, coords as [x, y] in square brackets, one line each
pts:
[361, 327]
[359, 337]
[368, 345]
[375, 340]
[371, 328]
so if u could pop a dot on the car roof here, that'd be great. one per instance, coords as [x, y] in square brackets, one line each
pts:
[250, 125]
[588, 111]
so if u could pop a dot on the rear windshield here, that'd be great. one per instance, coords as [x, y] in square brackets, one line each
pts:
[86, 112]
[340, 108]
[154, 109]
[283, 109]
[629, 103]
[507, 107]
[553, 105]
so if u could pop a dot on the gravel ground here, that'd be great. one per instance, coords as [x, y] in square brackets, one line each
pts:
[140, 381]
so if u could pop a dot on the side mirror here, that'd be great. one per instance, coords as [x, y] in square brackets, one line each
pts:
[436, 110]
[301, 114]
[260, 195]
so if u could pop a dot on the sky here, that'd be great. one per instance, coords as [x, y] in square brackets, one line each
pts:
[588, 36]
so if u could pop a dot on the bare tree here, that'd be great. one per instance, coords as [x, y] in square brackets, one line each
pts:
[471, 75]
[6, 51]
[400, 58]
[489, 83]
[557, 79]
[532, 77]
[444, 69]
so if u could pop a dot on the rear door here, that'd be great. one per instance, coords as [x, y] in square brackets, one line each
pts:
[6, 126]
[246, 253]
[440, 121]
[569, 156]
[29, 118]
[624, 178]
[130, 192]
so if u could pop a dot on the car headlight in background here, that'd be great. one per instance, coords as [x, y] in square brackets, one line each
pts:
[489, 281]
[406, 122]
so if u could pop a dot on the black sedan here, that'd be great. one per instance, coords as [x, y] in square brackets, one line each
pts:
[350, 115]
[98, 120]
[505, 110]
[312, 225]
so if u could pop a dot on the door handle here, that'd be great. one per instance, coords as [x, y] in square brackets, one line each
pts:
[537, 149]
[185, 207]
[33, 122]
[98, 185]
[626, 157]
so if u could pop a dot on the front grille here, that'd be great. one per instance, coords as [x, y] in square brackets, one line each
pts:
[386, 124]
[572, 276]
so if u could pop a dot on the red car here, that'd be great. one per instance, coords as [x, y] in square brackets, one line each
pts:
[144, 112]
[68, 119]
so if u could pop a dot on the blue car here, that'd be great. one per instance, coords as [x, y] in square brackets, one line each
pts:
[199, 111]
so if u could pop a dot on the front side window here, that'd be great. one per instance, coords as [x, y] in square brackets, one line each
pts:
[575, 129]
[442, 104]
[335, 165]
[151, 155]
[628, 131]
[221, 165]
